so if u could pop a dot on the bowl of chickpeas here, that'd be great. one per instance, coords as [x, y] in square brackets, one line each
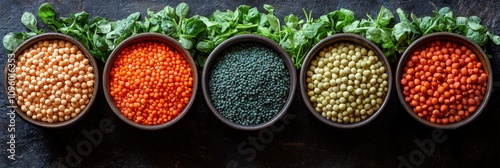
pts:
[51, 80]
[444, 80]
[345, 81]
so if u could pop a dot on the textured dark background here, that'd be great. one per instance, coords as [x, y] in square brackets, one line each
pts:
[199, 140]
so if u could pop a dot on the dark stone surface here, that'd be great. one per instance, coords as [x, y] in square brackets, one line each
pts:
[199, 140]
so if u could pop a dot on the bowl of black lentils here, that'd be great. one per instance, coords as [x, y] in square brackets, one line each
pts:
[345, 81]
[248, 82]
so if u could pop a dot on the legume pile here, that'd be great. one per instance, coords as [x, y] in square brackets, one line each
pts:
[151, 83]
[346, 82]
[55, 81]
[444, 82]
[249, 84]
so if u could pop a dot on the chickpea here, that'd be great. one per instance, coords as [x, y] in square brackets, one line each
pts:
[54, 81]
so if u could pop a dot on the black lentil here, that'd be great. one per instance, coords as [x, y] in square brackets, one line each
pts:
[249, 83]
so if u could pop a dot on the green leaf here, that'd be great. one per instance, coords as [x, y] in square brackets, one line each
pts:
[100, 43]
[273, 22]
[384, 17]
[269, 8]
[401, 30]
[374, 34]
[81, 17]
[186, 43]
[155, 28]
[134, 16]
[343, 17]
[46, 13]
[194, 27]
[182, 10]
[205, 46]
[104, 28]
[461, 20]
[29, 20]
[252, 16]
[167, 27]
[310, 30]
[494, 38]
[291, 21]
[479, 38]
[425, 23]
[170, 12]
[249, 26]
[476, 26]
[352, 28]
[201, 60]
[320, 36]
[264, 31]
[299, 39]
[263, 19]
[474, 19]
[240, 12]
[112, 35]
[445, 12]
[12, 40]
[403, 17]
[66, 21]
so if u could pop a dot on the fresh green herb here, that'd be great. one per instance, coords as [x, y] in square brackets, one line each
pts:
[29, 20]
[244, 20]
[406, 31]
[13, 39]
[48, 16]
[175, 23]
[377, 30]
[200, 35]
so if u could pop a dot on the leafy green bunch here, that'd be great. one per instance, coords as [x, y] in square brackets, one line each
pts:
[176, 24]
[243, 20]
[377, 30]
[406, 31]
[200, 35]
[299, 36]
[14, 39]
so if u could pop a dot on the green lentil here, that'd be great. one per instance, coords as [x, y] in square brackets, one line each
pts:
[249, 84]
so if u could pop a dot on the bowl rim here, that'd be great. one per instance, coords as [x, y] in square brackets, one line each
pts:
[352, 38]
[25, 46]
[457, 39]
[144, 37]
[248, 38]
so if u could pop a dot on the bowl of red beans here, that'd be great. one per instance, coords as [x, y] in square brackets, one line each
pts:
[444, 80]
[150, 81]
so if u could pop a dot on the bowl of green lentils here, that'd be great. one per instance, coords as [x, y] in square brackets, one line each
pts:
[248, 82]
[345, 81]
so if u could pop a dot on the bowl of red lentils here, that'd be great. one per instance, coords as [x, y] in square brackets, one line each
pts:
[51, 80]
[444, 80]
[150, 81]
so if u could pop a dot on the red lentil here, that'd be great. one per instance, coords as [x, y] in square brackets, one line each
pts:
[151, 83]
[443, 82]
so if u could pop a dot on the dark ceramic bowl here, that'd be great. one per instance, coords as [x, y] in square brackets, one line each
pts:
[354, 39]
[145, 37]
[25, 46]
[245, 39]
[453, 38]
